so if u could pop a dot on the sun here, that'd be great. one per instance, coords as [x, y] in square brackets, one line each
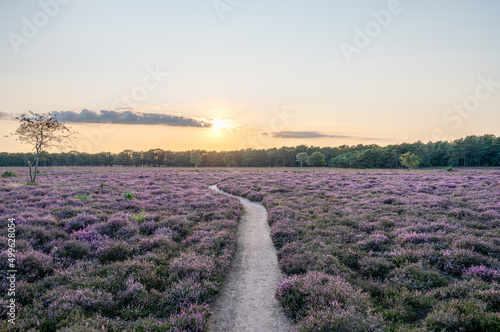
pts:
[218, 124]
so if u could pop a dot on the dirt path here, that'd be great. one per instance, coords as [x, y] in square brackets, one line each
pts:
[246, 302]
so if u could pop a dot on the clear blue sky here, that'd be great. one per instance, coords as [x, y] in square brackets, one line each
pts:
[234, 75]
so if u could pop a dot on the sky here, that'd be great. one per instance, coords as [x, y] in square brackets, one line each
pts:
[233, 74]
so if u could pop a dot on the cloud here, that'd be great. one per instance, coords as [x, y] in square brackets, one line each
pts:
[129, 117]
[315, 134]
[303, 134]
[7, 116]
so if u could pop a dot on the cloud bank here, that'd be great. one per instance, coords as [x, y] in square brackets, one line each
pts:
[303, 134]
[129, 117]
[316, 134]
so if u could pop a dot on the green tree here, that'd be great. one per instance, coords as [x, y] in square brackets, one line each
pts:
[196, 158]
[302, 158]
[229, 160]
[410, 160]
[316, 159]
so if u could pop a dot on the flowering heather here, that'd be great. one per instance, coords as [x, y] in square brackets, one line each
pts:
[414, 251]
[93, 261]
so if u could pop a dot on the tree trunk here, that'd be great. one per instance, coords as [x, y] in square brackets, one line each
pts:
[29, 166]
[36, 167]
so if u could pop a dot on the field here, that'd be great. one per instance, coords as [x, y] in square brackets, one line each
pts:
[372, 250]
[361, 250]
[148, 254]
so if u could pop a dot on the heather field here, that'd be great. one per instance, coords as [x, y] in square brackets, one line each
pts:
[392, 251]
[360, 250]
[148, 254]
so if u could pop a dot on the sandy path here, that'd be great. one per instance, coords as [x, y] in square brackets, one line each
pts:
[246, 302]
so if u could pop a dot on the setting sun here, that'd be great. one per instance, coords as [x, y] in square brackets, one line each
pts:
[221, 124]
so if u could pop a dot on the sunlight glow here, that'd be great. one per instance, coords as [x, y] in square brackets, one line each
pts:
[218, 124]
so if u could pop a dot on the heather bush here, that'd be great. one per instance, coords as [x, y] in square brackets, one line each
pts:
[296, 263]
[375, 242]
[416, 277]
[483, 272]
[315, 291]
[80, 222]
[491, 297]
[376, 267]
[113, 251]
[336, 318]
[283, 233]
[64, 212]
[70, 251]
[411, 241]
[99, 263]
[193, 318]
[462, 315]
[118, 226]
[40, 238]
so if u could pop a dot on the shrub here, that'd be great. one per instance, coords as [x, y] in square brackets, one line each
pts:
[64, 213]
[193, 266]
[8, 174]
[282, 233]
[449, 168]
[296, 264]
[335, 318]
[71, 250]
[455, 261]
[316, 291]
[462, 315]
[193, 318]
[80, 222]
[186, 292]
[114, 251]
[118, 226]
[141, 217]
[483, 272]
[83, 197]
[129, 195]
[40, 238]
[33, 266]
[375, 267]
[415, 277]
[375, 242]
[491, 297]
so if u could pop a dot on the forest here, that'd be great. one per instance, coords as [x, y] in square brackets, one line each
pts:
[471, 151]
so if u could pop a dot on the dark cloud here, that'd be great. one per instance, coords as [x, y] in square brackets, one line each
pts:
[303, 134]
[128, 117]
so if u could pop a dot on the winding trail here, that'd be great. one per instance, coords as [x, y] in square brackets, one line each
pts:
[246, 301]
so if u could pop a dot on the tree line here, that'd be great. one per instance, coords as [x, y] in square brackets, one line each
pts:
[471, 151]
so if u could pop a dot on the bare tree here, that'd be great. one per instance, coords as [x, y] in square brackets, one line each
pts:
[42, 131]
